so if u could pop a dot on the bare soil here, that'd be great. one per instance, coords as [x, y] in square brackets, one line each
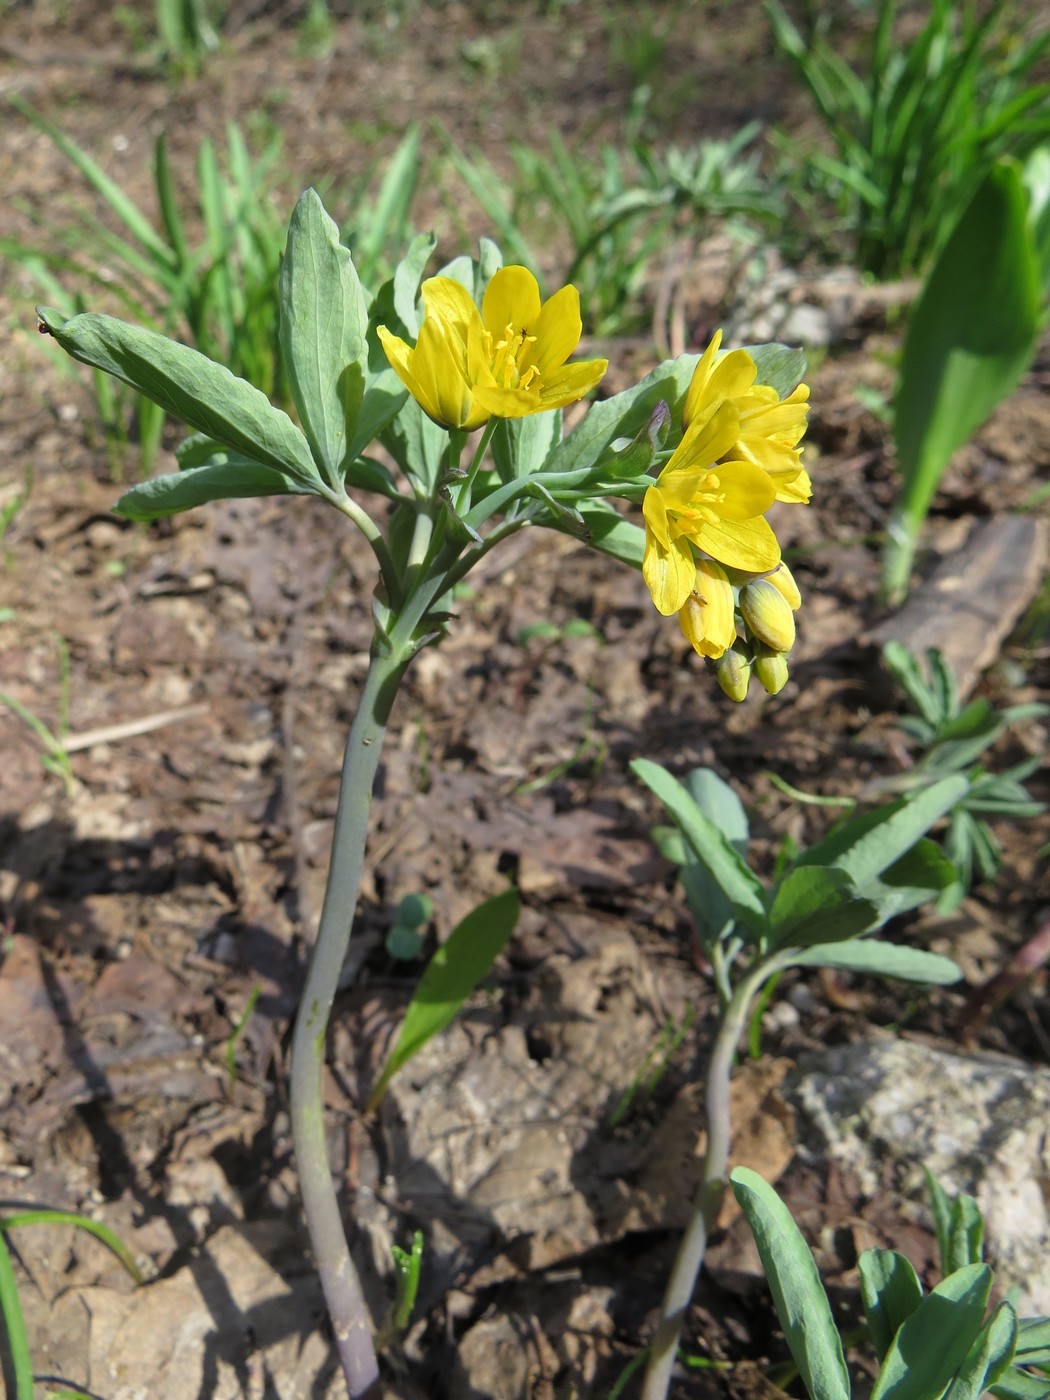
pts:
[185, 866]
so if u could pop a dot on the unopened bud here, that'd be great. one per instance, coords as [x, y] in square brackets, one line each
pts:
[768, 614]
[771, 668]
[783, 581]
[632, 456]
[733, 673]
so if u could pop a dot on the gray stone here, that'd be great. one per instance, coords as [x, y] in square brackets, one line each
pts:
[980, 1123]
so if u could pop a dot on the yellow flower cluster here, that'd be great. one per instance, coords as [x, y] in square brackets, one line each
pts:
[705, 514]
[710, 554]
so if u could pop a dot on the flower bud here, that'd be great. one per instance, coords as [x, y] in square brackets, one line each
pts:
[768, 614]
[733, 673]
[783, 581]
[706, 617]
[771, 668]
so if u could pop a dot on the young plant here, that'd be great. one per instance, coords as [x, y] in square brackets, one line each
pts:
[818, 912]
[54, 754]
[963, 355]
[922, 123]
[942, 1344]
[615, 217]
[482, 353]
[187, 33]
[953, 737]
[221, 292]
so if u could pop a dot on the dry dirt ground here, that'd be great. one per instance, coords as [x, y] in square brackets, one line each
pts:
[186, 865]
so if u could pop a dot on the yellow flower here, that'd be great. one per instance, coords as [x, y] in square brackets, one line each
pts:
[771, 428]
[504, 362]
[706, 616]
[715, 506]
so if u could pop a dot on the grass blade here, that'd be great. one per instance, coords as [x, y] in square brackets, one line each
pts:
[15, 1326]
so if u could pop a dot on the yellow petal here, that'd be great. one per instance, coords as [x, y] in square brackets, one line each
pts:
[571, 382]
[402, 359]
[654, 509]
[668, 572]
[733, 375]
[512, 298]
[798, 490]
[557, 330]
[446, 298]
[702, 445]
[746, 490]
[740, 544]
[695, 398]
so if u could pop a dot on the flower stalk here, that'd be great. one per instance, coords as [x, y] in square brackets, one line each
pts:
[681, 1283]
[339, 1279]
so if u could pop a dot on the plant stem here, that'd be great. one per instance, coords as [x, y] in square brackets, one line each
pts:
[898, 554]
[342, 1287]
[690, 1256]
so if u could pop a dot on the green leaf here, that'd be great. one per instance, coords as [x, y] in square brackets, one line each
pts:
[1015, 1384]
[934, 1341]
[941, 1209]
[625, 415]
[971, 335]
[710, 909]
[383, 399]
[418, 445]
[818, 904]
[989, 1356]
[778, 366]
[736, 880]
[609, 532]
[867, 845]
[920, 875]
[190, 386]
[16, 1338]
[520, 446]
[965, 1235]
[879, 959]
[168, 495]
[451, 975]
[323, 327]
[1033, 1341]
[891, 1292]
[801, 1303]
[721, 804]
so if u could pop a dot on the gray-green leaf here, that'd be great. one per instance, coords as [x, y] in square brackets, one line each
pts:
[801, 1303]
[323, 328]
[189, 386]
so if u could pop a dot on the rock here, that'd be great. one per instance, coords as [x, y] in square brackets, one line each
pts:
[978, 1122]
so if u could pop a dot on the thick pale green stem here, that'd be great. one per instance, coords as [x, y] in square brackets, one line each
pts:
[690, 1256]
[342, 1288]
[898, 554]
